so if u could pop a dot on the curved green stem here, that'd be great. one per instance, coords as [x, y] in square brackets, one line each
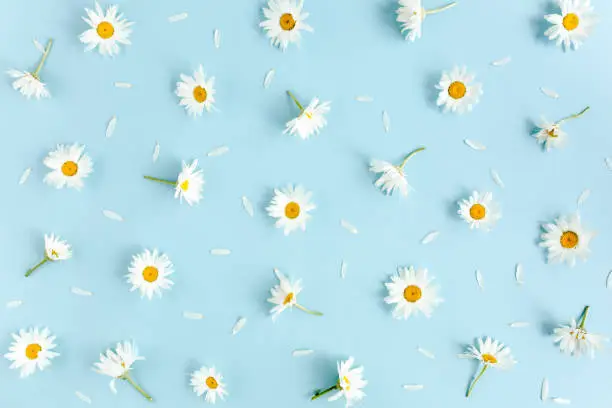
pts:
[38, 265]
[299, 105]
[439, 9]
[172, 183]
[320, 393]
[137, 387]
[469, 391]
[43, 59]
[312, 312]
[574, 116]
[420, 149]
[584, 316]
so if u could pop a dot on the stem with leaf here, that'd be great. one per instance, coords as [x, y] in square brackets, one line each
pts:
[299, 105]
[574, 116]
[172, 183]
[439, 9]
[137, 387]
[584, 317]
[320, 393]
[401, 166]
[469, 391]
[38, 265]
[43, 59]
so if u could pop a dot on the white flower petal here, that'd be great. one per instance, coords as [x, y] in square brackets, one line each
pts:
[519, 274]
[177, 17]
[220, 251]
[501, 62]
[413, 387]
[218, 151]
[349, 227]
[364, 98]
[239, 325]
[156, 152]
[25, 175]
[430, 237]
[479, 279]
[12, 304]
[125, 85]
[496, 178]
[343, 267]
[583, 197]
[561, 401]
[609, 280]
[474, 144]
[268, 78]
[111, 215]
[110, 128]
[386, 121]
[80, 292]
[518, 325]
[544, 389]
[217, 38]
[193, 315]
[608, 161]
[426, 353]
[248, 207]
[302, 352]
[38, 45]
[549, 92]
[83, 397]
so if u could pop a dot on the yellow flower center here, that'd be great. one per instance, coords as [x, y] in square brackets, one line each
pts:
[287, 22]
[150, 274]
[292, 210]
[212, 383]
[347, 383]
[69, 168]
[288, 298]
[412, 293]
[478, 212]
[457, 90]
[185, 185]
[569, 239]
[200, 94]
[32, 351]
[54, 253]
[571, 21]
[105, 30]
[489, 359]
[552, 132]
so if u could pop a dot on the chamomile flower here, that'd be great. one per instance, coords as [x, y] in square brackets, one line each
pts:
[189, 184]
[107, 31]
[458, 91]
[149, 273]
[69, 166]
[118, 363]
[490, 353]
[576, 340]
[31, 350]
[566, 240]
[196, 92]
[412, 292]
[29, 83]
[284, 296]
[311, 119]
[55, 250]
[550, 134]
[480, 211]
[210, 382]
[350, 384]
[392, 177]
[573, 25]
[284, 21]
[291, 206]
[411, 15]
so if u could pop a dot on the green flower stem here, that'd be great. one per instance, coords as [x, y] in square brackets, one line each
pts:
[574, 116]
[584, 317]
[38, 265]
[469, 391]
[172, 183]
[43, 59]
[320, 393]
[138, 388]
[299, 105]
[312, 312]
[420, 149]
[439, 9]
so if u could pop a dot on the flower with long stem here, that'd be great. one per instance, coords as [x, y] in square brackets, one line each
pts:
[55, 250]
[29, 83]
[350, 384]
[188, 185]
[551, 135]
[411, 15]
[393, 177]
[284, 296]
[490, 353]
[311, 119]
[576, 340]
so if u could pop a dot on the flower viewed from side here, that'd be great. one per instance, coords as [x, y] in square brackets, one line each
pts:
[550, 134]
[573, 25]
[149, 273]
[196, 92]
[31, 350]
[189, 184]
[55, 250]
[490, 353]
[210, 382]
[69, 166]
[107, 31]
[284, 296]
[311, 119]
[412, 292]
[350, 384]
[291, 207]
[118, 363]
[458, 91]
[480, 211]
[284, 21]
[576, 340]
[411, 15]
[566, 240]
[392, 177]
[29, 83]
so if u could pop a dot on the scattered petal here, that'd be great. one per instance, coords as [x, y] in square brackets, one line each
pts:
[113, 386]
[561, 401]
[125, 85]
[279, 274]
[479, 279]
[239, 325]
[80, 292]
[496, 179]
[549, 92]
[156, 152]
[608, 161]
[12, 304]
[349, 227]
[474, 144]
[110, 128]
[414, 387]
[426, 353]
[386, 121]
[501, 62]
[544, 389]
[193, 315]
[430, 237]
[217, 38]
[518, 325]
[343, 267]
[25, 175]
[111, 215]
[220, 251]
[268, 78]
[583, 197]
[83, 397]
[519, 274]
[609, 280]
[364, 98]
[302, 352]
[248, 207]
[38, 45]
[218, 151]
[178, 17]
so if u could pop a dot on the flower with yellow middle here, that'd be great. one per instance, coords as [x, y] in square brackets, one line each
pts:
[490, 353]
[31, 350]
[459, 92]
[284, 22]
[196, 92]
[566, 240]
[573, 25]
[412, 292]
[189, 184]
[284, 296]
[480, 211]
[208, 381]
[69, 166]
[149, 273]
[107, 31]
[291, 207]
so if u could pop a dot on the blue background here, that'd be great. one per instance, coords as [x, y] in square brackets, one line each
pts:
[356, 49]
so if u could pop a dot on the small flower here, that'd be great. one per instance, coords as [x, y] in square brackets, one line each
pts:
[149, 273]
[350, 384]
[107, 31]
[31, 350]
[284, 21]
[550, 134]
[196, 92]
[291, 206]
[458, 91]
[573, 25]
[480, 211]
[393, 177]
[412, 14]
[412, 292]
[118, 363]
[566, 240]
[284, 296]
[310, 121]
[490, 353]
[209, 381]
[69, 166]
[55, 250]
[575, 340]
[189, 184]
[29, 83]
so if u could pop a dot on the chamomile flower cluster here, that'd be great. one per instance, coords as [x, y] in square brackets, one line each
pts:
[291, 206]
[571, 27]
[108, 30]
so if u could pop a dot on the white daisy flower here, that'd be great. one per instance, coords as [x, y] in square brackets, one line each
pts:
[210, 382]
[573, 25]
[118, 363]
[55, 250]
[284, 296]
[576, 340]
[310, 121]
[411, 15]
[29, 83]
[350, 384]
[69, 166]
[412, 292]
[189, 184]
[107, 31]
[490, 353]
[196, 92]
[291, 207]
[393, 177]
[480, 211]
[284, 21]
[550, 134]
[31, 350]
[149, 273]
[458, 91]
[566, 240]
